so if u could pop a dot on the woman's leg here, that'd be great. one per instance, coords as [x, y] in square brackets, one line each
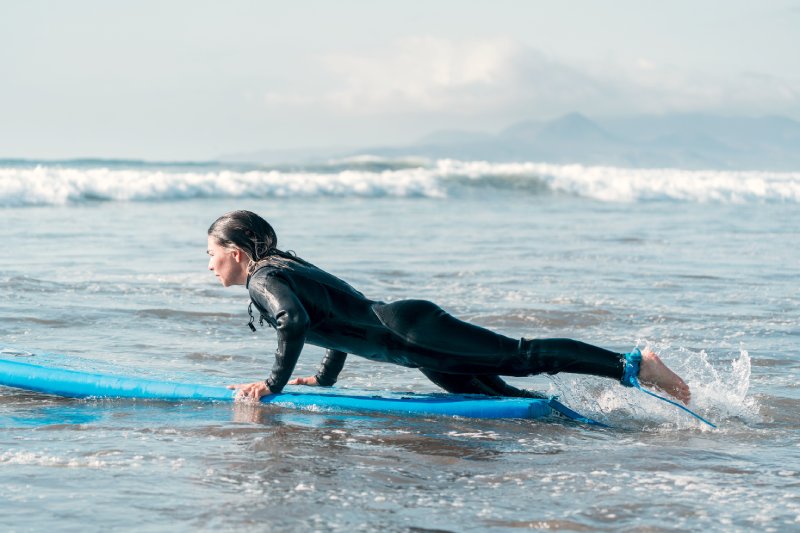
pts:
[436, 340]
[559, 355]
[504, 389]
[458, 383]
[567, 355]
[439, 342]
[470, 384]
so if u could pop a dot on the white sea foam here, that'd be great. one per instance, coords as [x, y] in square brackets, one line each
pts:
[64, 184]
[24, 457]
[629, 185]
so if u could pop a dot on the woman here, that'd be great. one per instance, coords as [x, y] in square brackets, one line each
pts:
[306, 304]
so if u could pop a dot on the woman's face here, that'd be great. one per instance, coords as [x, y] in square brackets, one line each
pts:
[229, 265]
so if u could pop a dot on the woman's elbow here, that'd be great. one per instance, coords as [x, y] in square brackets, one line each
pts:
[293, 325]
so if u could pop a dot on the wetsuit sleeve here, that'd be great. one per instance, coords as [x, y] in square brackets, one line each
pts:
[290, 320]
[329, 369]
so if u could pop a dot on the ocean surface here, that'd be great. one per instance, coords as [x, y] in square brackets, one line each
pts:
[104, 269]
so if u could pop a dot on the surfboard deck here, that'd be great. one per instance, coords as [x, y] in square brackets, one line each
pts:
[78, 384]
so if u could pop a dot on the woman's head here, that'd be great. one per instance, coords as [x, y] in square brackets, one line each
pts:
[236, 242]
[247, 231]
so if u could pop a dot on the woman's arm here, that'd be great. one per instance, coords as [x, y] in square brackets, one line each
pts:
[290, 320]
[328, 371]
[329, 368]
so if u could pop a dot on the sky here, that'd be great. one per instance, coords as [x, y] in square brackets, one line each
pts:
[192, 80]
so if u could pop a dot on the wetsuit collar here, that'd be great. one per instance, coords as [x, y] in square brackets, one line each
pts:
[250, 276]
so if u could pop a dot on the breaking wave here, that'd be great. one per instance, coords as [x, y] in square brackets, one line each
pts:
[34, 184]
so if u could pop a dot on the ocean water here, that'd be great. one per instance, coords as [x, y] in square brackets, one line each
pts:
[105, 270]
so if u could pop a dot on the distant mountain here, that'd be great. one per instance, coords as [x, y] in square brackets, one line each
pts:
[691, 141]
[573, 128]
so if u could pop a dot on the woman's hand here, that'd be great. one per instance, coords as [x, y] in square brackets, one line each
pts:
[311, 381]
[251, 392]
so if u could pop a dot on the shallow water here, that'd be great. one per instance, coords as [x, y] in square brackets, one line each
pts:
[121, 286]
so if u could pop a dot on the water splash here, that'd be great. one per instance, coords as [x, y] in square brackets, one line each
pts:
[724, 395]
[719, 393]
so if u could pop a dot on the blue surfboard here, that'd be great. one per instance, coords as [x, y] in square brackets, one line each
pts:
[77, 384]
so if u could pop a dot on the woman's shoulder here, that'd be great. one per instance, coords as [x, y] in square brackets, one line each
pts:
[288, 271]
[297, 275]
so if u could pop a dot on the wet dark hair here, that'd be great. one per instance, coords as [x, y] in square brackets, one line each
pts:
[251, 234]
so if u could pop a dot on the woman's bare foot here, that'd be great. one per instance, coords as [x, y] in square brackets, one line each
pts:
[655, 373]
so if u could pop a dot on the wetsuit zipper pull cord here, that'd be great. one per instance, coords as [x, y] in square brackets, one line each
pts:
[252, 318]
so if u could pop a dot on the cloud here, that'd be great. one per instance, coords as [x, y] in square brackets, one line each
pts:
[502, 77]
[423, 74]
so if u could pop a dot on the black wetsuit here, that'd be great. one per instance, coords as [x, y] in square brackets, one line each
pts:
[307, 305]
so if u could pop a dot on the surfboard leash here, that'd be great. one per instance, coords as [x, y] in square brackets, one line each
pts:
[565, 411]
